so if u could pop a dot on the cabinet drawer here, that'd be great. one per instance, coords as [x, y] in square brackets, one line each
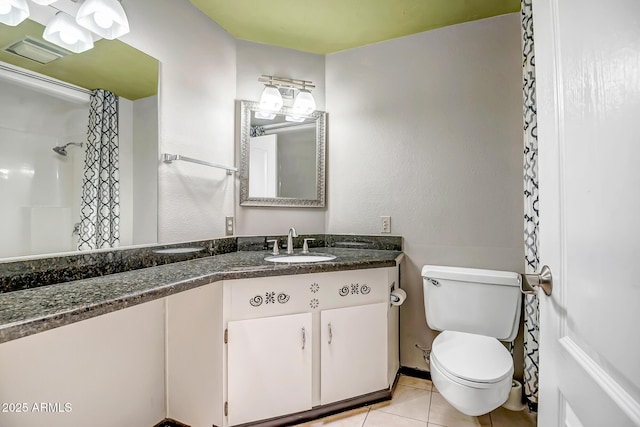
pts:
[280, 295]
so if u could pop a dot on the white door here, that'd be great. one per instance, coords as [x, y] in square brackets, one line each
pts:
[353, 351]
[588, 83]
[269, 367]
[263, 169]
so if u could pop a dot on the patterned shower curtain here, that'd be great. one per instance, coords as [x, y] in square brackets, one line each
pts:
[100, 205]
[531, 325]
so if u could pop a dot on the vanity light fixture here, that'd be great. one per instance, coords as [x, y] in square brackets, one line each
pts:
[65, 32]
[271, 98]
[304, 103]
[106, 18]
[13, 12]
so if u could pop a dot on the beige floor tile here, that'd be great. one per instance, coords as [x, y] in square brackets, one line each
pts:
[502, 417]
[443, 414]
[382, 419]
[353, 418]
[409, 402]
[414, 382]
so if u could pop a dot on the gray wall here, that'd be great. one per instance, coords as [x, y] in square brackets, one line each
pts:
[427, 129]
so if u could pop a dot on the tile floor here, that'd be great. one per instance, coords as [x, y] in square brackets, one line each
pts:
[416, 403]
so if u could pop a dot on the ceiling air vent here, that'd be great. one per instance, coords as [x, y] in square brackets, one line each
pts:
[36, 50]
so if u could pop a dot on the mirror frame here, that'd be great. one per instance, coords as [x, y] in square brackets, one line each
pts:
[248, 107]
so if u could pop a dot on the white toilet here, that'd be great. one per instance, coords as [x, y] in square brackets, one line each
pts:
[474, 309]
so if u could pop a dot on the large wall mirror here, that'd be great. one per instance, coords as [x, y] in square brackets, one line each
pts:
[39, 187]
[282, 162]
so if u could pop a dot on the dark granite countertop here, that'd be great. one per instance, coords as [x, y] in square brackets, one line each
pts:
[29, 311]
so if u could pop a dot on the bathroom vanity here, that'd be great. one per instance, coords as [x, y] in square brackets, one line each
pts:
[285, 345]
[222, 340]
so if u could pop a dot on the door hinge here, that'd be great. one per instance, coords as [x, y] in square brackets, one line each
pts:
[226, 409]
[226, 336]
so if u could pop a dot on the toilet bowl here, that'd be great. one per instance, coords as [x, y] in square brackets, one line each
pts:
[472, 372]
[474, 309]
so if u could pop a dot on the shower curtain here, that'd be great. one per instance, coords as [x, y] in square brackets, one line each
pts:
[531, 325]
[100, 204]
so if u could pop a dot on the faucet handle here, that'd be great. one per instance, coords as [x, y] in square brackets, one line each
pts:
[276, 251]
[305, 247]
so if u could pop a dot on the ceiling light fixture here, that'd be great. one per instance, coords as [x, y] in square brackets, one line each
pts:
[63, 31]
[106, 18]
[271, 99]
[13, 12]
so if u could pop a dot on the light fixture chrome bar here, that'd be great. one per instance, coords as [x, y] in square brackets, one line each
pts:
[286, 82]
[169, 158]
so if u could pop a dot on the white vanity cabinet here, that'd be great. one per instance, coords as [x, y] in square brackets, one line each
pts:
[353, 351]
[269, 367]
[297, 342]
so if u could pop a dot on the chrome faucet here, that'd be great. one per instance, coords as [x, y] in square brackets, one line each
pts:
[290, 236]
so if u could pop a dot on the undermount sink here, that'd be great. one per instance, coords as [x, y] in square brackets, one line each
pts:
[300, 258]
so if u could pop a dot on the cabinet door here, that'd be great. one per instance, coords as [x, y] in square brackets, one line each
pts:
[354, 351]
[269, 367]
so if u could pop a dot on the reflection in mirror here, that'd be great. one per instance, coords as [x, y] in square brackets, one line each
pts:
[282, 161]
[40, 188]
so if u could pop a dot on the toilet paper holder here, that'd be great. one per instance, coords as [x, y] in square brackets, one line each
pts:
[397, 296]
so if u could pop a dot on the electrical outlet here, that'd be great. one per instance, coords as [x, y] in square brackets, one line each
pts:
[228, 225]
[385, 224]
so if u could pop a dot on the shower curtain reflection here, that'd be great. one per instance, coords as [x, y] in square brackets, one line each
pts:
[100, 209]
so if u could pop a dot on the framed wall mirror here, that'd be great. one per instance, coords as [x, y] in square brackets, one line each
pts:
[282, 162]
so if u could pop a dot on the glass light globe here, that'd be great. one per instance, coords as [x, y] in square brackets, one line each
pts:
[265, 116]
[103, 20]
[13, 12]
[5, 7]
[271, 99]
[304, 103]
[106, 18]
[296, 119]
[69, 37]
[63, 31]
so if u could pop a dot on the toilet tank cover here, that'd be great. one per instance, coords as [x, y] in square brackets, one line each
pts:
[476, 275]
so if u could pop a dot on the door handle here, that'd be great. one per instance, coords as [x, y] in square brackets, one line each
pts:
[330, 334]
[531, 282]
[304, 338]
